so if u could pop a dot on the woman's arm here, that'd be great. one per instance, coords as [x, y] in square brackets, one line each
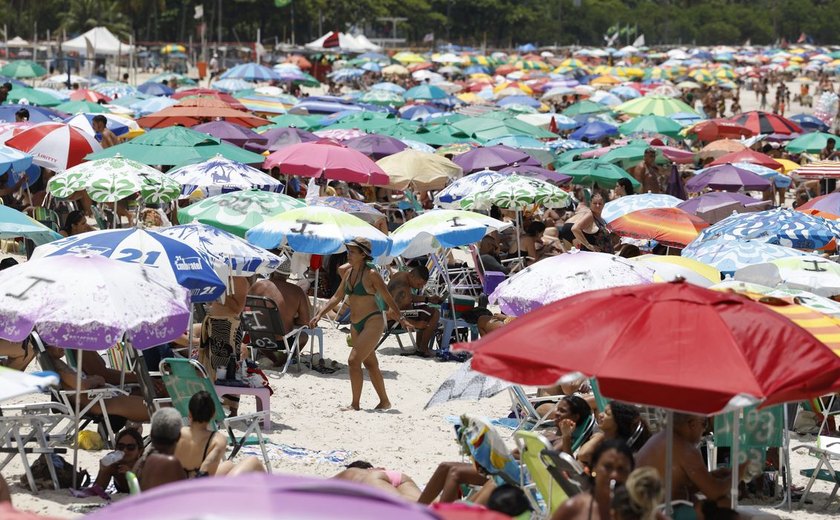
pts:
[332, 302]
[215, 455]
[578, 227]
[382, 290]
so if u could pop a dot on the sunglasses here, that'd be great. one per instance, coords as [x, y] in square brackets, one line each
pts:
[126, 447]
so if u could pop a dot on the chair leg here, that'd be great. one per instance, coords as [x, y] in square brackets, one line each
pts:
[26, 466]
[42, 440]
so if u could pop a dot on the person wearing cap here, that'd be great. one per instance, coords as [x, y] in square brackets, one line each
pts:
[367, 297]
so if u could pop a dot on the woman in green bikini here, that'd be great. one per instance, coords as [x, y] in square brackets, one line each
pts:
[367, 295]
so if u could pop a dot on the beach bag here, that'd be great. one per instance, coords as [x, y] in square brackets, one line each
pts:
[254, 376]
[63, 470]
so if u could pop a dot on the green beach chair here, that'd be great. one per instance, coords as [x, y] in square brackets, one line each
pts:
[184, 378]
[551, 495]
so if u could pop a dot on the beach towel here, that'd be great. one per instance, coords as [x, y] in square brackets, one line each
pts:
[279, 452]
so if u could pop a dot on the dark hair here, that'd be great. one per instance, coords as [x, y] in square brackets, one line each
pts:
[830, 140]
[612, 444]
[99, 118]
[74, 217]
[134, 434]
[7, 263]
[534, 228]
[495, 212]
[361, 464]
[509, 500]
[201, 407]
[627, 421]
[7, 85]
[421, 271]
[627, 185]
[578, 406]
[23, 114]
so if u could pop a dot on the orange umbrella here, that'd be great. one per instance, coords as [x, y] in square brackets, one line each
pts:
[191, 116]
[300, 61]
[719, 148]
[668, 226]
[747, 156]
[209, 92]
[205, 102]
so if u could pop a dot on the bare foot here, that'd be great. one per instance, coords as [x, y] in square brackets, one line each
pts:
[351, 408]
[383, 406]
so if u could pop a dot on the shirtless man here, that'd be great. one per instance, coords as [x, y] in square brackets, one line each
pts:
[648, 174]
[290, 300]
[103, 134]
[400, 286]
[689, 470]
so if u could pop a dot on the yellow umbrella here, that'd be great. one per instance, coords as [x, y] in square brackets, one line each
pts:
[513, 84]
[397, 70]
[605, 80]
[408, 57]
[418, 170]
[572, 63]
[788, 165]
[666, 268]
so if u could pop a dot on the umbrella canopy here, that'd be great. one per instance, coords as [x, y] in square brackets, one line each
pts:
[14, 160]
[490, 158]
[653, 105]
[220, 175]
[465, 384]
[14, 224]
[418, 170]
[237, 135]
[594, 131]
[277, 138]
[14, 383]
[726, 177]
[766, 123]
[585, 107]
[486, 128]
[376, 146]
[561, 276]
[152, 88]
[238, 211]
[358, 208]
[427, 92]
[751, 362]
[670, 268]
[727, 256]
[536, 172]
[175, 146]
[450, 197]
[103, 301]
[810, 122]
[93, 96]
[317, 230]
[668, 226]
[720, 148]
[442, 228]
[172, 259]
[113, 179]
[517, 193]
[251, 72]
[716, 129]
[717, 205]
[22, 69]
[326, 159]
[191, 116]
[57, 146]
[828, 204]
[36, 114]
[812, 142]
[121, 126]
[651, 124]
[629, 203]
[747, 156]
[78, 107]
[590, 171]
[819, 170]
[820, 276]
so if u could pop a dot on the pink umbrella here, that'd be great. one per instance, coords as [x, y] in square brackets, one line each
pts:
[9, 130]
[340, 134]
[57, 146]
[326, 159]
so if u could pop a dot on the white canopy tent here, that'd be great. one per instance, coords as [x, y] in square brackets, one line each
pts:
[102, 41]
[346, 42]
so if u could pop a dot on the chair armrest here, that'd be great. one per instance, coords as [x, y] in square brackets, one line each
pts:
[247, 418]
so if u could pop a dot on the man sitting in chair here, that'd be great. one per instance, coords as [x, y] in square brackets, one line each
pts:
[401, 286]
[291, 301]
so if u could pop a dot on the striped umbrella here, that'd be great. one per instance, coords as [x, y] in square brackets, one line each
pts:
[14, 224]
[668, 226]
[728, 255]
[263, 104]
[251, 72]
[114, 179]
[117, 124]
[22, 69]
[238, 211]
[820, 170]
[630, 203]
[57, 146]
[766, 123]
[669, 268]
[653, 105]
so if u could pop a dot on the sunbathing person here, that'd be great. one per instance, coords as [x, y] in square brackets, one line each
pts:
[201, 451]
[18, 355]
[689, 474]
[617, 421]
[612, 463]
[487, 324]
[571, 416]
[158, 465]
[402, 287]
[391, 481]
[130, 443]
[292, 303]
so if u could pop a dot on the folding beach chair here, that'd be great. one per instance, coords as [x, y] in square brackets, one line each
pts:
[566, 471]
[483, 444]
[525, 411]
[261, 320]
[827, 451]
[186, 377]
[551, 495]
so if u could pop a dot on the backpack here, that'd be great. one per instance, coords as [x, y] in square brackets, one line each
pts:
[63, 470]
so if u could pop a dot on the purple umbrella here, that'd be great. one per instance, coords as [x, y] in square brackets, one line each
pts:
[263, 497]
[232, 133]
[492, 158]
[675, 185]
[376, 146]
[728, 178]
[537, 172]
[277, 138]
[713, 207]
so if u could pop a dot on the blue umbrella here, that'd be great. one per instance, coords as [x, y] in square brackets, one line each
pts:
[232, 85]
[781, 226]
[809, 122]
[727, 256]
[371, 66]
[33, 173]
[563, 145]
[625, 92]
[12, 159]
[390, 87]
[14, 224]
[528, 101]
[116, 90]
[451, 196]
[594, 131]
[686, 119]
[187, 266]
[426, 92]
[251, 72]
[155, 89]
[36, 114]
[419, 112]
[152, 105]
[476, 69]
[85, 122]
[343, 75]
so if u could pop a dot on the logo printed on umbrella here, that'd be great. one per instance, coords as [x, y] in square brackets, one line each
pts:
[35, 281]
[817, 266]
[455, 223]
[304, 223]
[190, 263]
[89, 249]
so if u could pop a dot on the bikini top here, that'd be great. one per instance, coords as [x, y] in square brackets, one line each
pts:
[359, 288]
[193, 472]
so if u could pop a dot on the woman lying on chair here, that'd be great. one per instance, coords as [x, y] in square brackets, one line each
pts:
[201, 451]
[617, 421]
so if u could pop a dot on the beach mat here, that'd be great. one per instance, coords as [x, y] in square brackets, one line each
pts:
[280, 452]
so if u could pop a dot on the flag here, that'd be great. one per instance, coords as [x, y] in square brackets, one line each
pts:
[639, 42]
[91, 52]
[199, 12]
[430, 37]
[331, 41]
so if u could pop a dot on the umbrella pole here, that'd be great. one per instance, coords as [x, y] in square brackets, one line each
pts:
[78, 398]
[734, 457]
[315, 293]
[115, 215]
[190, 331]
[669, 462]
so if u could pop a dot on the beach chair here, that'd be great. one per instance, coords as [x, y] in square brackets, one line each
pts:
[484, 445]
[47, 217]
[827, 453]
[186, 377]
[551, 495]
[261, 320]
[525, 411]
[566, 471]
[489, 279]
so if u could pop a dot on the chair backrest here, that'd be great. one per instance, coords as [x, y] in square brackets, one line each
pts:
[261, 320]
[522, 406]
[183, 379]
[566, 471]
[485, 446]
[582, 434]
[531, 446]
[47, 217]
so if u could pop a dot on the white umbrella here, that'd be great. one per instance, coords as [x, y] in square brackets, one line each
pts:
[14, 383]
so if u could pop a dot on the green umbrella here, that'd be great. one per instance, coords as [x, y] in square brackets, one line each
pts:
[568, 156]
[169, 76]
[632, 153]
[654, 105]
[438, 135]
[307, 80]
[33, 97]
[176, 145]
[811, 143]
[651, 125]
[448, 118]
[238, 211]
[22, 69]
[585, 107]
[382, 97]
[311, 122]
[366, 121]
[113, 179]
[516, 192]
[591, 171]
[79, 107]
[486, 128]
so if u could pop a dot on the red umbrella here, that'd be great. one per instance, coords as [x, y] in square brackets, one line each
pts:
[56, 146]
[674, 345]
[328, 159]
[191, 116]
[209, 92]
[84, 94]
[747, 156]
[668, 226]
[720, 129]
[766, 123]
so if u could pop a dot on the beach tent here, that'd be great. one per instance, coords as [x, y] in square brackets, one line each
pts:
[101, 40]
[342, 42]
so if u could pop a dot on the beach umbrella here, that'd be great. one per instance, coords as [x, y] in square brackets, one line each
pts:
[536, 172]
[820, 276]
[388, 86]
[36, 114]
[30, 96]
[486, 128]
[585, 107]
[251, 72]
[117, 124]
[14, 383]
[717, 205]
[14, 224]
[517, 193]
[22, 69]
[152, 105]
[819, 170]
[232, 133]
[827, 205]
[174, 260]
[238, 211]
[781, 226]
[169, 48]
[823, 305]
[410, 169]
[170, 76]
[766, 123]
[419, 112]
[14, 160]
[442, 228]
[193, 115]
[491, 158]
[812, 142]
[425, 92]
[653, 105]
[78, 107]
[304, 122]
[465, 384]
[651, 125]
[277, 138]
[594, 131]
[561, 276]
[630, 203]
[232, 84]
[810, 122]
[747, 156]
[56, 146]
[671, 227]
[152, 88]
[590, 171]
[716, 129]
[269, 496]
[376, 146]
[317, 230]
[726, 177]
[357, 208]
[92, 96]
[220, 175]
[326, 159]
[761, 358]
[670, 268]
[450, 197]
[569, 144]
[176, 145]
[382, 97]
[114, 89]
[113, 179]
[225, 249]
[727, 255]
[263, 104]
[720, 148]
